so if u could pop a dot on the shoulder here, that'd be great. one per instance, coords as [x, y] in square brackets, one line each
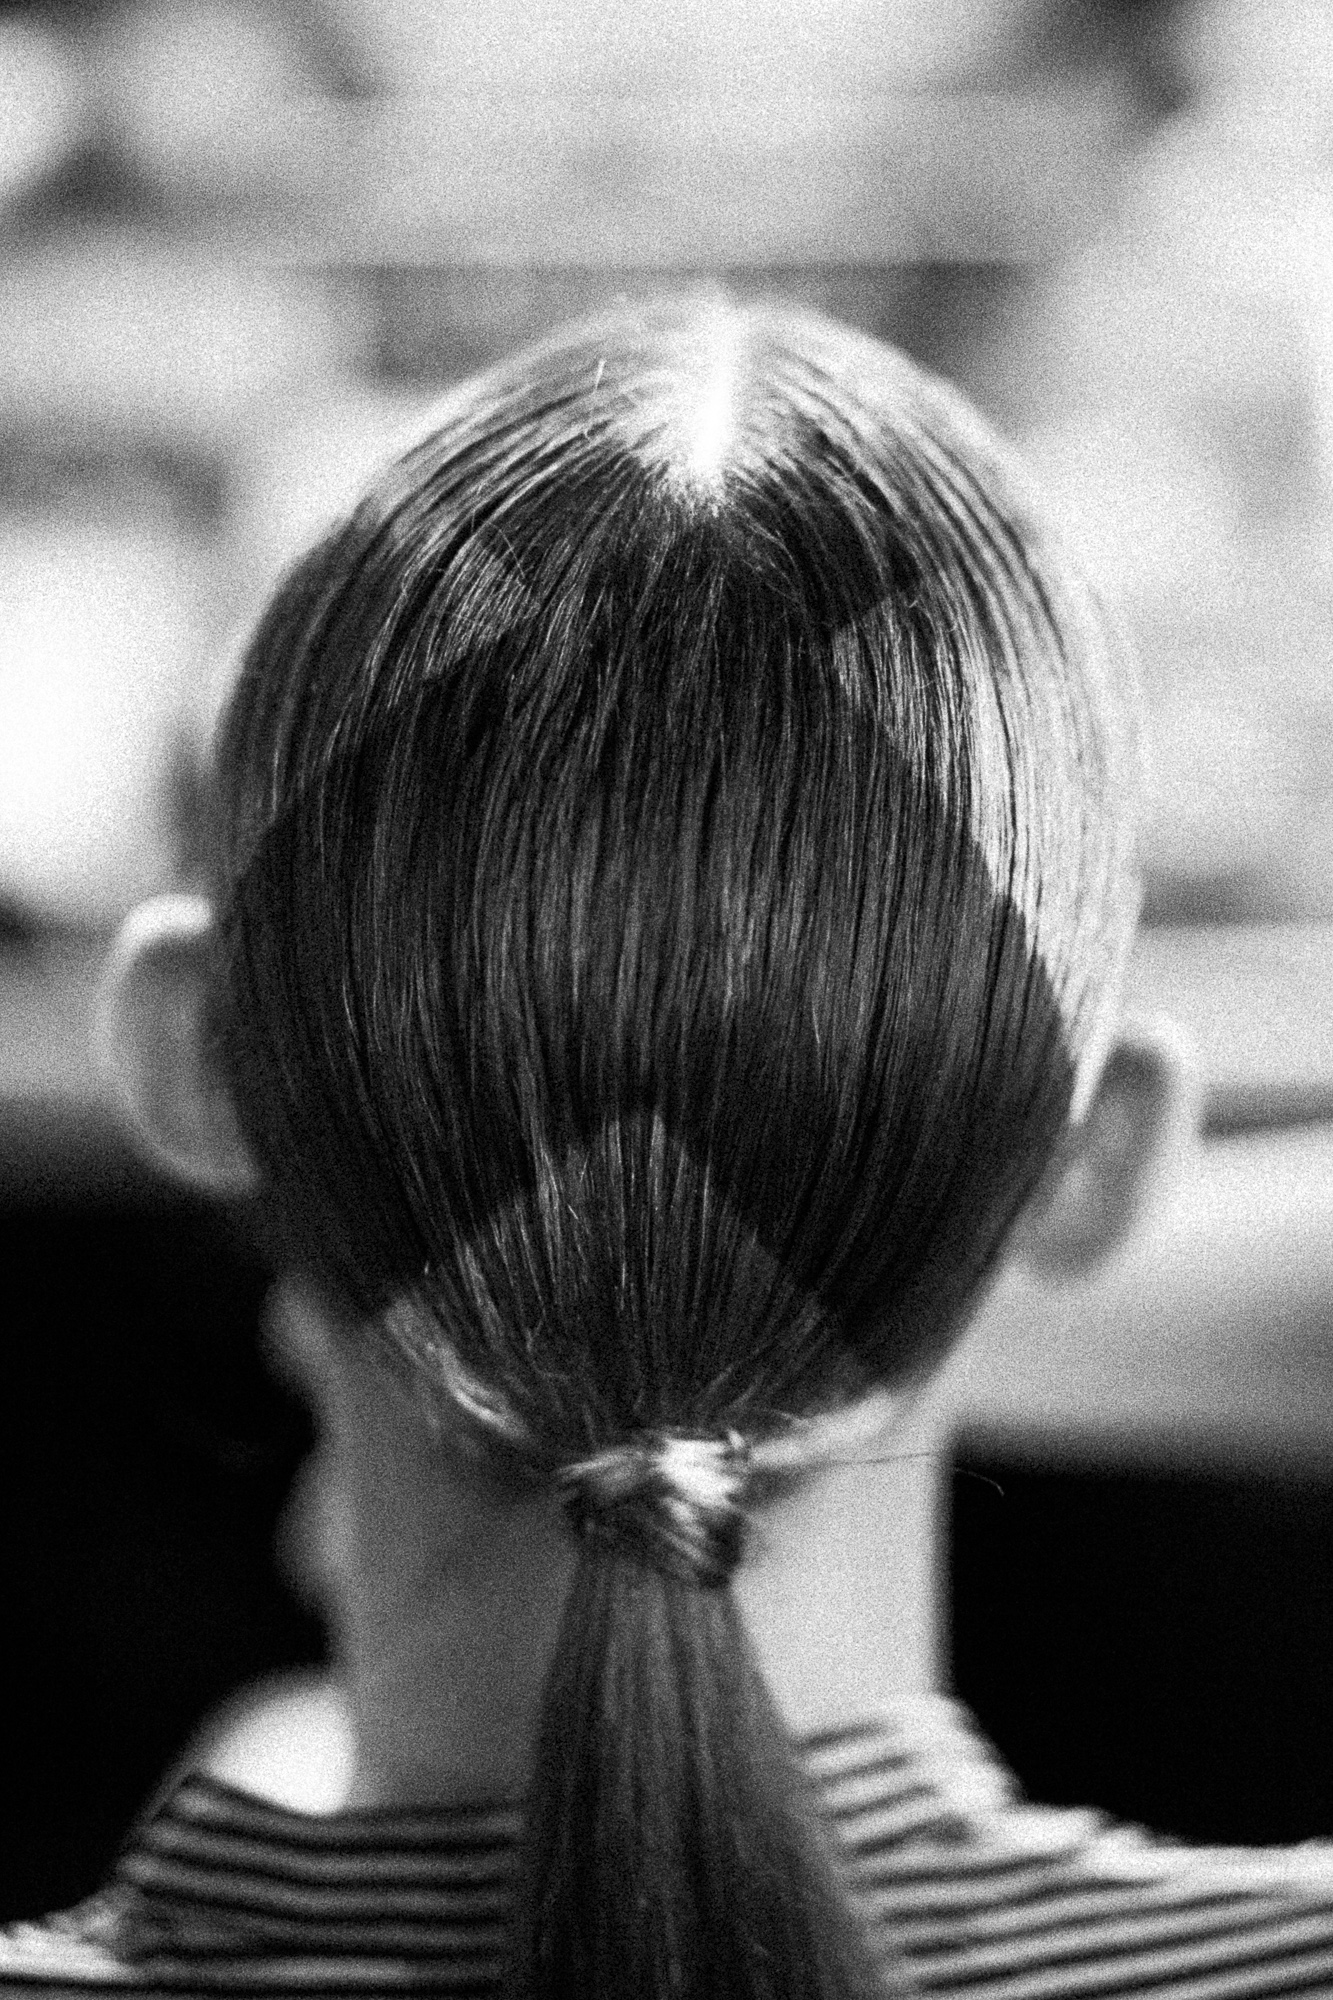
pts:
[270, 1882]
[287, 1740]
[984, 1890]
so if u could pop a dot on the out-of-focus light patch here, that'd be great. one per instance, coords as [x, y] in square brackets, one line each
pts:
[1249, 47]
[115, 329]
[40, 103]
[1241, 745]
[296, 477]
[1203, 314]
[1224, 789]
[1153, 519]
[174, 78]
[194, 63]
[98, 631]
[698, 177]
[637, 47]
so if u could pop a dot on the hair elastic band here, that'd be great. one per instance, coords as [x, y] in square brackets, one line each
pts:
[669, 1501]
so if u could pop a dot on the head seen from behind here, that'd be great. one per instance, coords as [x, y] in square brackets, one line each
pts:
[673, 879]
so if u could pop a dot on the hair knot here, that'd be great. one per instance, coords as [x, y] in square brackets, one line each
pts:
[672, 1502]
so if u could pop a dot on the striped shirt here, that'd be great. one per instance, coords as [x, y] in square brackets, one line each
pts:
[986, 1895]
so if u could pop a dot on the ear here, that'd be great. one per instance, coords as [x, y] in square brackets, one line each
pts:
[154, 1047]
[1116, 1163]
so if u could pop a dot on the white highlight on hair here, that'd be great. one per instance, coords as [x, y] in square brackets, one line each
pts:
[418, 1333]
[706, 1473]
[839, 1436]
[705, 423]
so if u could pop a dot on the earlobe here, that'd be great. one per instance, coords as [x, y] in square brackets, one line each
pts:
[1119, 1158]
[154, 1049]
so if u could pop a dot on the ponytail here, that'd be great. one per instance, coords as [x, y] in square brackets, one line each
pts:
[673, 1846]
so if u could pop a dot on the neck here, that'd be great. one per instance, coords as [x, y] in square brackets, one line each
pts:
[841, 1592]
[444, 1602]
[838, 1592]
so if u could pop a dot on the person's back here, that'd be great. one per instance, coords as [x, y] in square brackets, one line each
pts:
[673, 869]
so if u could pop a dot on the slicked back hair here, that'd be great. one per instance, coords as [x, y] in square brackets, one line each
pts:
[675, 870]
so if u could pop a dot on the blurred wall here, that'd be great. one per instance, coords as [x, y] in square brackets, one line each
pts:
[243, 243]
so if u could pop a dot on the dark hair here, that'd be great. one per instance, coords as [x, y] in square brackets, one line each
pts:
[674, 874]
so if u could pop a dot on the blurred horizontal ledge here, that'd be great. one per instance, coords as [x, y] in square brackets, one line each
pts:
[120, 340]
[1208, 1340]
[652, 181]
[1255, 1001]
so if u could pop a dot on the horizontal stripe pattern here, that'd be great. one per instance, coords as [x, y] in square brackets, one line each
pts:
[986, 1895]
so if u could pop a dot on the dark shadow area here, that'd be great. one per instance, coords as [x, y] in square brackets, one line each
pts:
[1158, 1645]
[144, 1455]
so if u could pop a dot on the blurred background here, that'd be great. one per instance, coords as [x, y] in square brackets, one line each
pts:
[244, 246]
